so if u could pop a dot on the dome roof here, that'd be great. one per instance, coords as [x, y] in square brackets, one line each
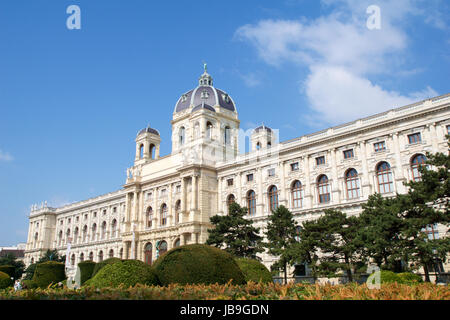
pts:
[263, 127]
[203, 106]
[148, 130]
[207, 94]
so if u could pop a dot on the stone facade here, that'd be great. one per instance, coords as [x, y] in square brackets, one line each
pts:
[168, 201]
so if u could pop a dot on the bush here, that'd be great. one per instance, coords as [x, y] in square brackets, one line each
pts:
[198, 264]
[28, 284]
[410, 278]
[254, 270]
[389, 277]
[5, 280]
[8, 269]
[100, 265]
[48, 272]
[86, 270]
[127, 273]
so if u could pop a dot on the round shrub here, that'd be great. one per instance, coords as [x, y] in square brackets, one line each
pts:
[410, 278]
[198, 264]
[126, 272]
[8, 269]
[100, 265]
[48, 272]
[28, 284]
[389, 277]
[5, 280]
[86, 270]
[254, 270]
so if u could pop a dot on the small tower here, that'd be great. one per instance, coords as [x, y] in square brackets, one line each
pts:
[262, 137]
[147, 145]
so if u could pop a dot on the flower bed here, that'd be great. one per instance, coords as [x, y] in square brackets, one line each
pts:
[250, 291]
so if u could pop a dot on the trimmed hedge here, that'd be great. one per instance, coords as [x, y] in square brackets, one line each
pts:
[410, 278]
[5, 280]
[100, 265]
[48, 272]
[198, 264]
[254, 270]
[8, 269]
[127, 273]
[86, 270]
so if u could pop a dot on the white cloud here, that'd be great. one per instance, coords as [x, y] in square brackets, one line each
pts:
[5, 156]
[338, 95]
[342, 54]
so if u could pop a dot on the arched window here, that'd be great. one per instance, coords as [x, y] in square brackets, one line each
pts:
[148, 253]
[114, 228]
[177, 211]
[100, 256]
[72, 260]
[81, 257]
[251, 202]
[91, 256]
[323, 188]
[111, 253]
[298, 231]
[177, 243]
[103, 229]
[94, 231]
[352, 184]
[164, 214]
[181, 136]
[230, 199]
[85, 231]
[141, 151]
[121, 253]
[273, 198]
[152, 151]
[269, 144]
[68, 239]
[149, 217]
[227, 135]
[75, 236]
[296, 191]
[209, 128]
[258, 145]
[384, 177]
[162, 248]
[416, 162]
[60, 238]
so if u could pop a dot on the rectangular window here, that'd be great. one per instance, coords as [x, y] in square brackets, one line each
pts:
[379, 146]
[320, 160]
[229, 182]
[294, 166]
[115, 209]
[348, 154]
[414, 138]
[271, 172]
[178, 189]
[448, 129]
[250, 177]
[163, 192]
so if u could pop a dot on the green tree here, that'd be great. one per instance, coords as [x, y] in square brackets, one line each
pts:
[281, 237]
[425, 205]
[380, 231]
[338, 243]
[49, 255]
[10, 259]
[236, 233]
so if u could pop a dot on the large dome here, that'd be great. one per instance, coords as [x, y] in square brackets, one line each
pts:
[205, 94]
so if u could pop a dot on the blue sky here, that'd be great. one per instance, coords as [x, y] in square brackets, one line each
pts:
[72, 101]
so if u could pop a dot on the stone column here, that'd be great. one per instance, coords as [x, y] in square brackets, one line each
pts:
[183, 195]
[335, 189]
[309, 196]
[432, 134]
[219, 195]
[194, 193]
[239, 189]
[399, 176]
[284, 200]
[171, 220]
[260, 202]
[366, 186]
